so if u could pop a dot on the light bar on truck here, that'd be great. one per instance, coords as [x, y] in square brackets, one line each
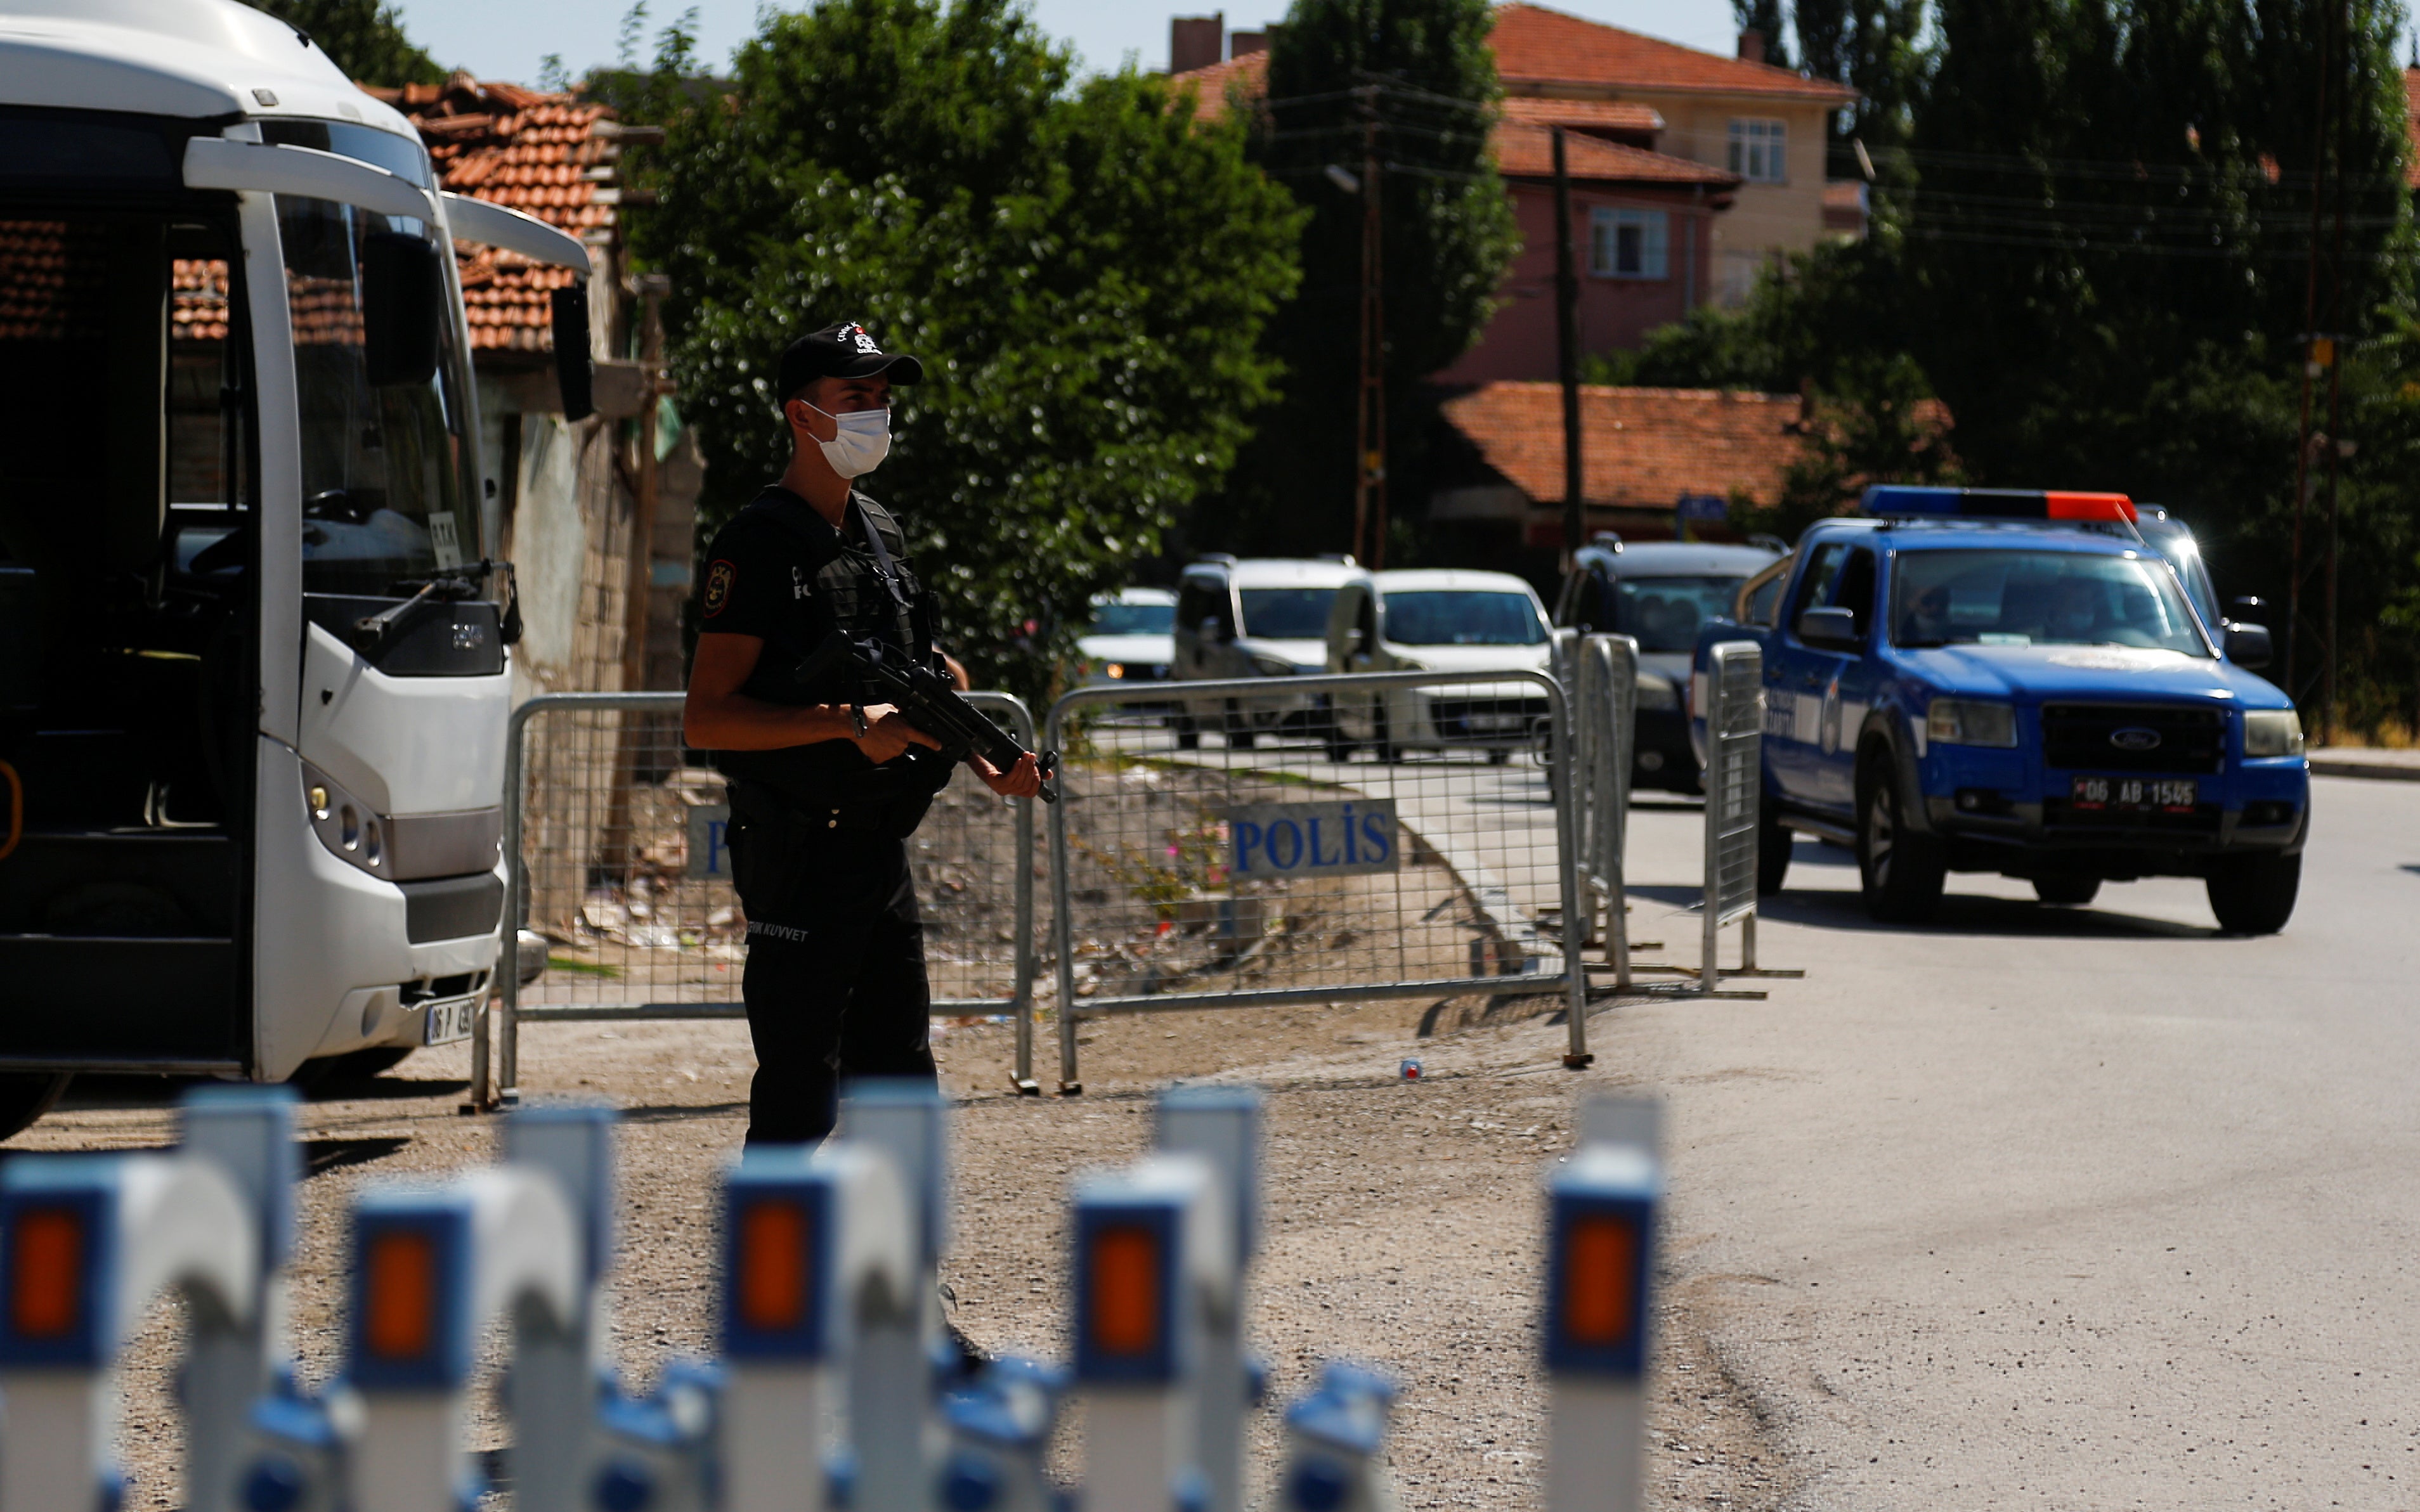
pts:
[1899, 502]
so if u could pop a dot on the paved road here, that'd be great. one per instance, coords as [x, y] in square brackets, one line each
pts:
[2051, 1207]
[2063, 1208]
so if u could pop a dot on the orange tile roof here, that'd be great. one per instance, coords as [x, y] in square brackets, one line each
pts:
[52, 275]
[1641, 448]
[1212, 82]
[1538, 46]
[1601, 114]
[542, 154]
[1527, 151]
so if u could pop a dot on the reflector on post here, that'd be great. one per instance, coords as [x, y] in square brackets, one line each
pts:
[409, 1276]
[1125, 1286]
[58, 1258]
[46, 1250]
[774, 1299]
[1602, 1235]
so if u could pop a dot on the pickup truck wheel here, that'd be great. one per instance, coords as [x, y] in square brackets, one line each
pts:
[2072, 892]
[26, 1098]
[2254, 894]
[1773, 843]
[1902, 873]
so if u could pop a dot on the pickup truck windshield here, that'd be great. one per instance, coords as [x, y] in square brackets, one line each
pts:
[1463, 618]
[2034, 598]
[1287, 613]
[1664, 613]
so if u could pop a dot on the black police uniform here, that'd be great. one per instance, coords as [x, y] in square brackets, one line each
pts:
[835, 981]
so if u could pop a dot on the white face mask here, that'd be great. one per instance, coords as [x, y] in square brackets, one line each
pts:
[863, 441]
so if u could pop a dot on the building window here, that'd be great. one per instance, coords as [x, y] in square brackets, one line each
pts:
[1759, 148]
[1628, 244]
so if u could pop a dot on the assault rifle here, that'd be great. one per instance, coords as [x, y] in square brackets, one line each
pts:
[928, 698]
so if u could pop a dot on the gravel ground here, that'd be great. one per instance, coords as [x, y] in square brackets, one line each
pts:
[1401, 1219]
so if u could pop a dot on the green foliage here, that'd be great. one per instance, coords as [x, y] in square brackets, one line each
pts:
[1083, 269]
[1875, 47]
[1428, 76]
[361, 37]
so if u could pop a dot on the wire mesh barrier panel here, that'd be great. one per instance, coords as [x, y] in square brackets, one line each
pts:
[1734, 783]
[1310, 839]
[1607, 698]
[616, 839]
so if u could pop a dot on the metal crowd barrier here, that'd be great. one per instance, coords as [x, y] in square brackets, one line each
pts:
[614, 855]
[829, 1322]
[1734, 787]
[1345, 838]
[1606, 697]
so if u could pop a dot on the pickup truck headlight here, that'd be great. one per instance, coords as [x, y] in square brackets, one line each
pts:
[2272, 733]
[1657, 692]
[1971, 722]
[1272, 666]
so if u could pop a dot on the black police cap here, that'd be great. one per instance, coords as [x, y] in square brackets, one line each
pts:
[846, 351]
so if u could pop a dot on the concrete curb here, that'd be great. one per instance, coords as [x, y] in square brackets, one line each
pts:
[2403, 770]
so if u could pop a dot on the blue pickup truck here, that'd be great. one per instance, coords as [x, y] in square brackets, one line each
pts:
[1986, 680]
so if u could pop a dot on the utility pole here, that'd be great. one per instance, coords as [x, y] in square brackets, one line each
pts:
[1369, 425]
[2322, 353]
[1567, 361]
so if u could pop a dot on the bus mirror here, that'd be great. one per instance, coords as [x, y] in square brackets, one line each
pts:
[574, 374]
[403, 302]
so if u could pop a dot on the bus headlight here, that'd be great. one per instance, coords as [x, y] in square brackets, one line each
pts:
[2272, 733]
[1971, 722]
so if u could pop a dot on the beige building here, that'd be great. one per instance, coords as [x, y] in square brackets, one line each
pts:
[1764, 125]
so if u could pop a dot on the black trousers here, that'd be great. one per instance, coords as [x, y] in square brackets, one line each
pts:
[835, 981]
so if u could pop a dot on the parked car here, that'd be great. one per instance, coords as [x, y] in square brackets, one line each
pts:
[1131, 642]
[1985, 679]
[1253, 617]
[1658, 592]
[1448, 619]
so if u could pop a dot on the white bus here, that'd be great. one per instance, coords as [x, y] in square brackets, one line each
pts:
[252, 649]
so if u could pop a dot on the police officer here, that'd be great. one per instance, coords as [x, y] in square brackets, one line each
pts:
[824, 790]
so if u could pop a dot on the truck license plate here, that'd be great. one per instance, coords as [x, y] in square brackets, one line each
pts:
[448, 1022]
[2134, 795]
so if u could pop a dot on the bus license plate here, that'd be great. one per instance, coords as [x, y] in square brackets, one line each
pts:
[448, 1022]
[2134, 795]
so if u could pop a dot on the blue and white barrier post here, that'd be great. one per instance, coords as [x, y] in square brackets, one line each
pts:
[556, 1384]
[1000, 1434]
[431, 1267]
[248, 1132]
[893, 1434]
[1222, 1126]
[85, 1242]
[817, 1254]
[1155, 1253]
[1602, 1206]
[1335, 1441]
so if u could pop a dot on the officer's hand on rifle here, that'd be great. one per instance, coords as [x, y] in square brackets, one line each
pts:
[1023, 781]
[888, 733]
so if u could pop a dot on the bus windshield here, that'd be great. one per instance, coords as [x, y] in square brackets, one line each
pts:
[385, 487]
[2033, 598]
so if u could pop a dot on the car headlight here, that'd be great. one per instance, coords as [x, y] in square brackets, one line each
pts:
[1114, 670]
[1657, 692]
[1272, 666]
[2272, 733]
[1971, 722]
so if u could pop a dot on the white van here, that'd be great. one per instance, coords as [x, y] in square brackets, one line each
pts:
[1254, 617]
[1438, 619]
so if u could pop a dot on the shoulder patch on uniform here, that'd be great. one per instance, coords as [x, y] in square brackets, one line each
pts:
[719, 578]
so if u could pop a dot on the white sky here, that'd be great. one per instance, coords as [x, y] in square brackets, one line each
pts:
[507, 39]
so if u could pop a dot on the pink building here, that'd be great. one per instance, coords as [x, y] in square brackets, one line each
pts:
[1642, 236]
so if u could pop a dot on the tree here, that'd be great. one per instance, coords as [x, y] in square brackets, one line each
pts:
[1084, 269]
[1875, 47]
[1428, 77]
[361, 37]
